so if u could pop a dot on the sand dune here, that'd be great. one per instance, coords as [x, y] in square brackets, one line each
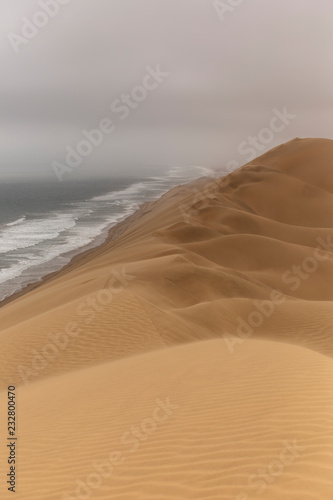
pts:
[186, 422]
[173, 308]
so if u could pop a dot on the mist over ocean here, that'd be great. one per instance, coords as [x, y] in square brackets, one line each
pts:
[44, 224]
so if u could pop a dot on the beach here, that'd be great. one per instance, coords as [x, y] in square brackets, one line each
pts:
[189, 356]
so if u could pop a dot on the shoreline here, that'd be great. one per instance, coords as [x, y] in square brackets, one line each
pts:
[112, 234]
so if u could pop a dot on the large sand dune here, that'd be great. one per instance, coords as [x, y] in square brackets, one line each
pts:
[236, 270]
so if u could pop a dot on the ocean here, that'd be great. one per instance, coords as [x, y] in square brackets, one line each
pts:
[44, 224]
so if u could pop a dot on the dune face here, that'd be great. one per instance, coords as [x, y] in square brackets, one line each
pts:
[191, 357]
[183, 422]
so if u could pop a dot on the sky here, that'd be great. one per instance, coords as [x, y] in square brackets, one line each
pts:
[161, 82]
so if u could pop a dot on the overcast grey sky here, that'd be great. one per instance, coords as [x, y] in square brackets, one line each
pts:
[227, 72]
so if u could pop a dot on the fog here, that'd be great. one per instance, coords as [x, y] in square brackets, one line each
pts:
[161, 82]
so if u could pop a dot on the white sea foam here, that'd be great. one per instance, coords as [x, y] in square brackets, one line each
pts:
[29, 233]
[35, 245]
[18, 221]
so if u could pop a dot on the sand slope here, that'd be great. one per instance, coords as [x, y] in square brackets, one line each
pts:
[246, 257]
[210, 425]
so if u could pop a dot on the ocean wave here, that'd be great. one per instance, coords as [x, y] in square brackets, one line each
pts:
[130, 191]
[29, 233]
[16, 222]
[33, 246]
